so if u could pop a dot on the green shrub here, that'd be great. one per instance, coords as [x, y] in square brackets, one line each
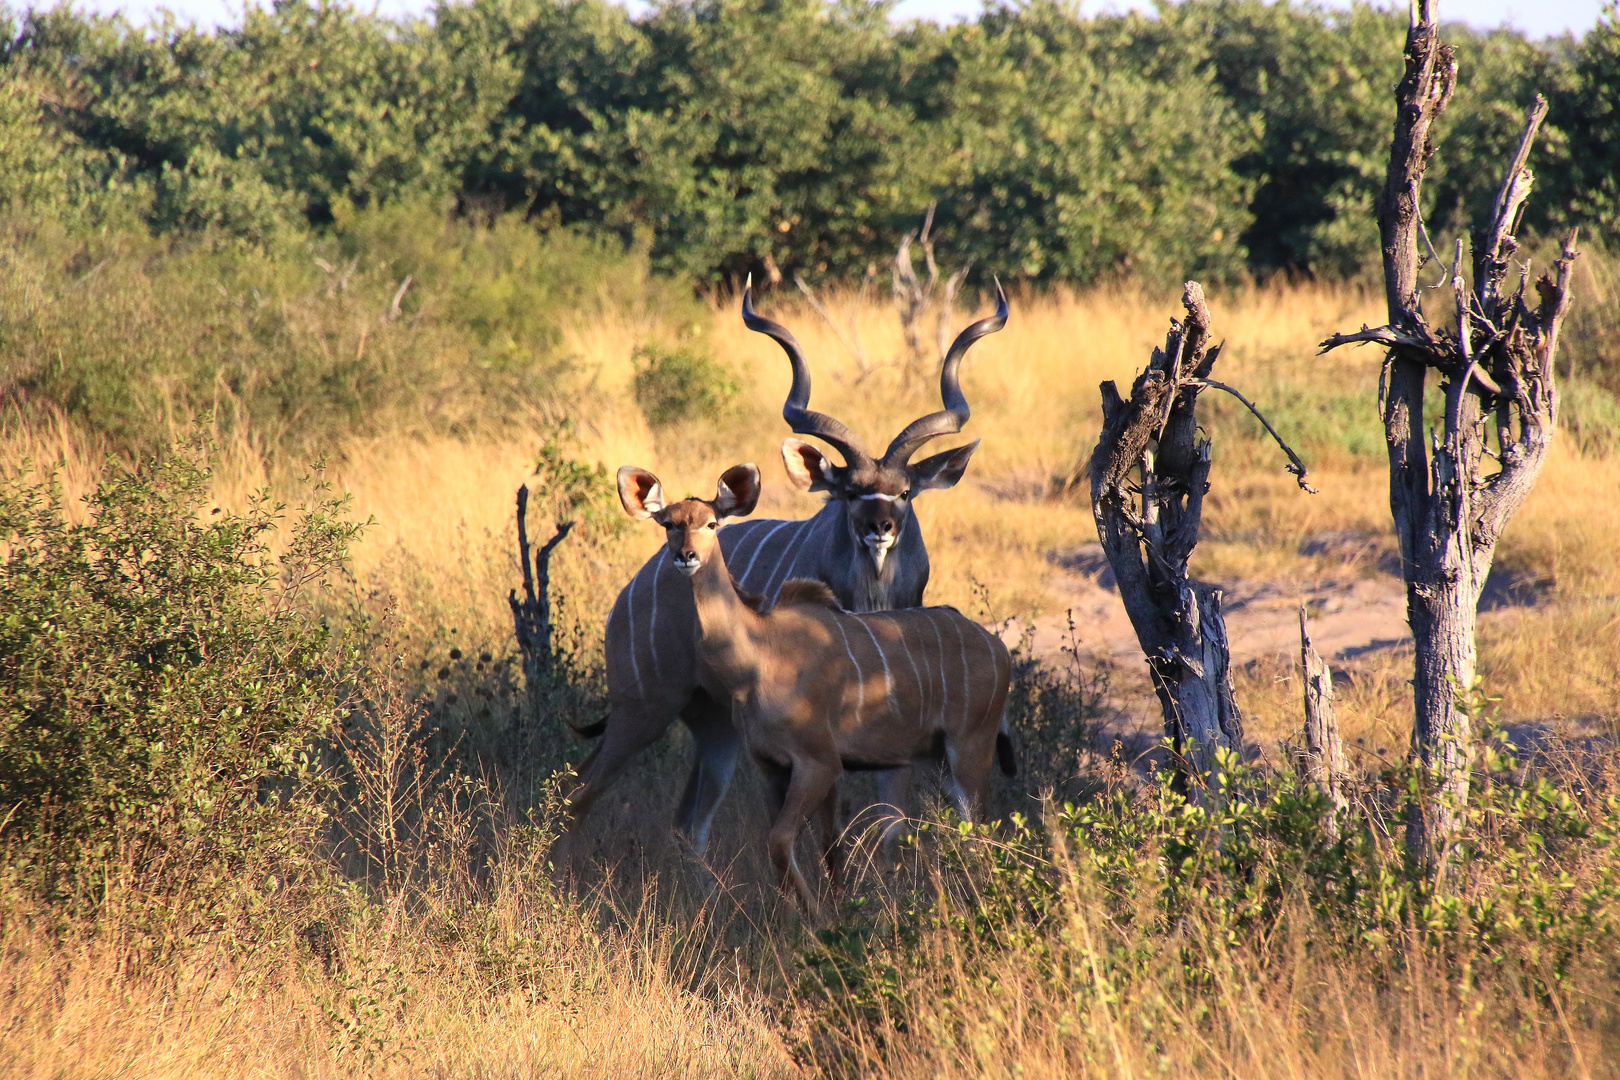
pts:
[1138, 895]
[161, 683]
[681, 384]
[401, 321]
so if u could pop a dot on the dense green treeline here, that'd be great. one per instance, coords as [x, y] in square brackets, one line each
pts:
[799, 136]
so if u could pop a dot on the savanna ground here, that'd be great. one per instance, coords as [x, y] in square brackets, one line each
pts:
[444, 934]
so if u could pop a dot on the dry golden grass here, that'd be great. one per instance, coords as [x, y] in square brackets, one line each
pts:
[400, 1005]
[629, 1006]
[442, 509]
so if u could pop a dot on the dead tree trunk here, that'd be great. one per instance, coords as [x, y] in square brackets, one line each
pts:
[1495, 364]
[1324, 762]
[912, 297]
[1149, 473]
[531, 616]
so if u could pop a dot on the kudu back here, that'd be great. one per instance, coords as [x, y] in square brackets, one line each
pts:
[864, 545]
[816, 689]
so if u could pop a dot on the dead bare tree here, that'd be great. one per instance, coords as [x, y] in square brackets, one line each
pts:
[912, 297]
[1149, 473]
[531, 616]
[1496, 378]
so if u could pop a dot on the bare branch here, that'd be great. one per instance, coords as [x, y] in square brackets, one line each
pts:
[925, 238]
[1424, 92]
[1490, 262]
[1553, 319]
[854, 346]
[393, 308]
[1465, 336]
[1387, 336]
[1295, 465]
[947, 306]
[531, 616]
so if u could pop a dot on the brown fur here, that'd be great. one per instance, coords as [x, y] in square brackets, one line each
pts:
[804, 591]
[754, 601]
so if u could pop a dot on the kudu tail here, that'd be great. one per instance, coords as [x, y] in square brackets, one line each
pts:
[591, 731]
[1004, 750]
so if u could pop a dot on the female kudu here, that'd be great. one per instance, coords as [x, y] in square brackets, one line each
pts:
[815, 689]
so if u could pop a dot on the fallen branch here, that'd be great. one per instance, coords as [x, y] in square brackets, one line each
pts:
[399, 296]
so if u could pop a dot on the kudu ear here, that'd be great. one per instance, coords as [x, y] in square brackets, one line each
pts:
[808, 467]
[737, 492]
[942, 470]
[640, 492]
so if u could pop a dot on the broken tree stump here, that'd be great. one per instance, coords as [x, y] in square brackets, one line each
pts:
[1149, 473]
[1324, 763]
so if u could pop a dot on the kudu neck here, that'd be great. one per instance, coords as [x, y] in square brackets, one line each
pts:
[724, 618]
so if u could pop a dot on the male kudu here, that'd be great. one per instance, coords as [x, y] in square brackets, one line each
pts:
[815, 689]
[864, 545]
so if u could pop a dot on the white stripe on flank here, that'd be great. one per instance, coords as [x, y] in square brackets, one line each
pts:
[860, 676]
[940, 641]
[995, 667]
[652, 620]
[759, 548]
[961, 646]
[630, 613]
[795, 542]
[734, 536]
[888, 679]
[915, 674]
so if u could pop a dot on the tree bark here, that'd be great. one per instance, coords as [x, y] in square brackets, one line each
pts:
[1496, 372]
[1149, 473]
[1325, 767]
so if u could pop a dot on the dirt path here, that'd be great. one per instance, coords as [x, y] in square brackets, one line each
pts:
[1348, 618]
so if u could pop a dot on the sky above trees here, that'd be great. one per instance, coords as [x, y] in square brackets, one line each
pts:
[1536, 18]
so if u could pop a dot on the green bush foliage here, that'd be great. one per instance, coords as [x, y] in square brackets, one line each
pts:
[1137, 895]
[399, 320]
[162, 682]
[685, 383]
[801, 134]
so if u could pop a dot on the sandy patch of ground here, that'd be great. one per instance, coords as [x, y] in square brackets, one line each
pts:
[1348, 618]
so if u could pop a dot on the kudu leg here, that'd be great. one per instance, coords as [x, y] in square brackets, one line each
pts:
[832, 838]
[715, 745]
[796, 791]
[631, 728]
[894, 790]
[968, 765]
